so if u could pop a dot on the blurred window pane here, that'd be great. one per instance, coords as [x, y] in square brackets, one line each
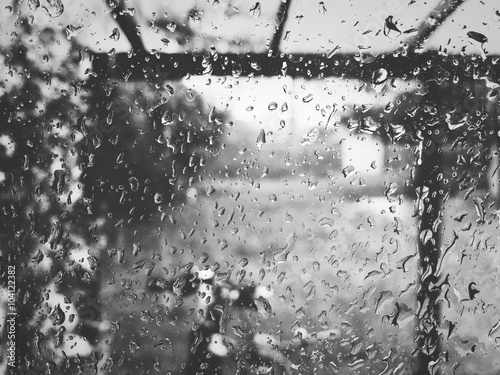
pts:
[241, 187]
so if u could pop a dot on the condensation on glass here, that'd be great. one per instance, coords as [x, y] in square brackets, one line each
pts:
[242, 187]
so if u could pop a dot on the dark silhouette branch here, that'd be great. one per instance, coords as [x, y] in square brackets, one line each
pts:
[282, 12]
[309, 66]
[435, 19]
[128, 26]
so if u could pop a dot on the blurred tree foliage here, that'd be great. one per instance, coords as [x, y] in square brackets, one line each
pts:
[143, 148]
[461, 125]
[39, 100]
[81, 158]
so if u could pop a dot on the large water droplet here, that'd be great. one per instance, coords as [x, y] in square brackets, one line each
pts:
[255, 10]
[168, 117]
[133, 347]
[272, 106]
[379, 77]
[57, 317]
[478, 37]
[171, 26]
[308, 98]
[158, 198]
[72, 31]
[54, 8]
[263, 307]
[261, 139]
[134, 183]
[281, 255]
[348, 171]
[115, 34]
[33, 4]
[59, 181]
[136, 248]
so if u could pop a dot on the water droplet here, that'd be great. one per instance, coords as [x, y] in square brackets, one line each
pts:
[243, 262]
[348, 171]
[356, 364]
[478, 37]
[163, 344]
[236, 70]
[480, 211]
[333, 234]
[72, 31]
[262, 274]
[281, 255]
[210, 190]
[57, 317]
[171, 26]
[326, 222]
[123, 197]
[120, 253]
[379, 76]
[263, 307]
[389, 107]
[134, 183]
[59, 181]
[223, 244]
[369, 126]
[300, 312]
[255, 10]
[168, 117]
[240, 275]
[272, 106]
[311, 184]
[136, 248]
[54, 8]
[203, 257]
[238, 331]
[133, 347]
[261, 139]
[456, 119]
[311, 137]
[255, 66]
[33, 4]
[396, 131]
[426, 236]
[308, 98]
[115, 34]
[322, 7]
[494, 328]
[158, 198]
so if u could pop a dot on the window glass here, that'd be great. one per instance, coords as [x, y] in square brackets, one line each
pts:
[241, 187]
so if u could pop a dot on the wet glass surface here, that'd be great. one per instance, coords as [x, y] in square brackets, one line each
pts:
[241, 187]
